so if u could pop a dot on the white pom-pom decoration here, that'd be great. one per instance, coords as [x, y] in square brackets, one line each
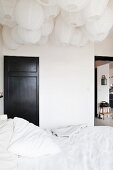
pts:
[7, 39]
[79, 37]
[15, 36]
[7, 12]
[47, 27]
[76, 37]
[73, 22]
[46, 2]
[98, 29]
[29, 14]
[75, 19]
[43, 40]
[63, 31]
[72, 5]
[51, 11]
[95, 9]
[29, 36]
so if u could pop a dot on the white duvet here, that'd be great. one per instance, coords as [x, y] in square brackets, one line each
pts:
[89, 148]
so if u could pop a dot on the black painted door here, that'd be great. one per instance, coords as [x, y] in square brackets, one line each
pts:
[21, 88]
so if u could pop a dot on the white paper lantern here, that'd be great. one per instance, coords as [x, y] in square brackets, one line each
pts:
[29, 14]
[47, 27]
[43, 40]
[51, 11]
[8, 21]
[72, 5]
[75, 19]
[7, 12]
[15, 36]
[46, 2]
[63, 31]
[95, 9]
[29, 36]
[79, 37]
[98, 29]
[85, 38]
[7, 39]
[76, 37]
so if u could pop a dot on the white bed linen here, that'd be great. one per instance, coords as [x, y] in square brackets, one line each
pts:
[56, 162]
[30, 140]
[91, 148]
[8, 161]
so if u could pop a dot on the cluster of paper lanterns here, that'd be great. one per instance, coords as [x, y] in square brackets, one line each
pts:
[72, 22]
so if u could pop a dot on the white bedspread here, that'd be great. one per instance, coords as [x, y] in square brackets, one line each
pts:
[8, 161]
[56, 162]
[90, 148]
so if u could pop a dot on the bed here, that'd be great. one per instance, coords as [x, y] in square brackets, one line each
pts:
[24, 146]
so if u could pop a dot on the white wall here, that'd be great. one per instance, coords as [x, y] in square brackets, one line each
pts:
[66, 83]
[102, 90]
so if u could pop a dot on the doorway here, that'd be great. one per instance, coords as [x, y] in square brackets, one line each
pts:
[103, 91]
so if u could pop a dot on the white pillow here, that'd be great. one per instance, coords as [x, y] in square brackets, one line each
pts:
[6, 131]
[30, 140]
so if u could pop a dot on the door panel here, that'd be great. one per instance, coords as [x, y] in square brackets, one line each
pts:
[21, 84]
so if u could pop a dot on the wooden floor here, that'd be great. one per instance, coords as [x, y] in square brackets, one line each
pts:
[106, 122]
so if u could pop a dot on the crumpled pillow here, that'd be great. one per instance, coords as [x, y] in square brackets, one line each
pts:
[31, 141]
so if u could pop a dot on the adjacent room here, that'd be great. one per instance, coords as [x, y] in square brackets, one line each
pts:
[103, 91]
[56, 85]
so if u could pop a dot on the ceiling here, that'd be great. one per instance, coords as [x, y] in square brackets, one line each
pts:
[100, 63]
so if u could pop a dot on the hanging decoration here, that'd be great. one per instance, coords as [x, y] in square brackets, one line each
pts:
[29, 14]
[43, 40]
[72, 5]
[69, 22]
[29, 36]
[76, 19]
[51, 11]
[98, 29]
[7, 12]
[15, 35]
[95, 9]
[63, 31]
[7, 39]
[46, 2]
[79, 38]
[47, 27]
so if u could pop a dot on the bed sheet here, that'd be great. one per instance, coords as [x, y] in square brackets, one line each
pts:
[8, 161]
[89, 148]
[56, 162]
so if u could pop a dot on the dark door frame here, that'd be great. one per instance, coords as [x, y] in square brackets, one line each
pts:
[96, 58]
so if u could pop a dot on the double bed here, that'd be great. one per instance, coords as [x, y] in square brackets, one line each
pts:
[24, 146]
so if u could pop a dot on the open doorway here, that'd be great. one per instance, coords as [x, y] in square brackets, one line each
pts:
[103, 91]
